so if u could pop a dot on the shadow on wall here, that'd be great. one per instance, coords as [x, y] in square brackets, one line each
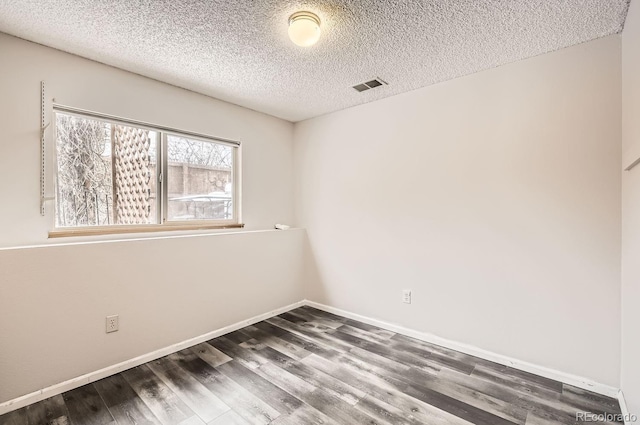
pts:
[314, 290]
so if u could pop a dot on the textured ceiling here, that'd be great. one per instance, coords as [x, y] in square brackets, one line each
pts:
[239, 51]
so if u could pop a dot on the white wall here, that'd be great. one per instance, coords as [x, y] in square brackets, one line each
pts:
[631, 209]
[494, 197]
[54, 299]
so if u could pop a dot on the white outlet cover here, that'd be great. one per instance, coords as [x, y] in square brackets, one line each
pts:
[406, 296]
[112, 323]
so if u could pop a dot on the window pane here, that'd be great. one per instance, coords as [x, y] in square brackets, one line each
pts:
[84, 177]
[93, 189]
[200, 180]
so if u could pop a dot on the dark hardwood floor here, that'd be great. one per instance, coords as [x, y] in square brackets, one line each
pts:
[311, 367]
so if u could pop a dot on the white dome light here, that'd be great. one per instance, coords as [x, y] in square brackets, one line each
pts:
[304, 28]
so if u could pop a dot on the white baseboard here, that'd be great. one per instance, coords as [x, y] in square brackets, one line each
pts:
[566, 378]
[71, 384]
[545, 372]
[624, 409]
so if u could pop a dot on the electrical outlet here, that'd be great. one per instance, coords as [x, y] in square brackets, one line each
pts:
[406, 296]
[112, 323]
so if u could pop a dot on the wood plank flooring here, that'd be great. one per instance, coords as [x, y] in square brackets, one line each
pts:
[307, 366]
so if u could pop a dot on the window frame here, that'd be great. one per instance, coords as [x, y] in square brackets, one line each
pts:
[162, 224]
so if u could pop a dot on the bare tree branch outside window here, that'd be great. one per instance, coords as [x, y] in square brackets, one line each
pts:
[195, 152]
[84, 178]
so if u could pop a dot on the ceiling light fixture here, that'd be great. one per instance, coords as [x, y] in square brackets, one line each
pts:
[304, 28]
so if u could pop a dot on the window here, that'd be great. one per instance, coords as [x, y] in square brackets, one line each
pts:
[113, 175]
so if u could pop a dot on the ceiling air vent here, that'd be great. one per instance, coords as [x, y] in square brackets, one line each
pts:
[369, 85]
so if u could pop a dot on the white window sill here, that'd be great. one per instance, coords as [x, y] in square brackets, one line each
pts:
[151, 228]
